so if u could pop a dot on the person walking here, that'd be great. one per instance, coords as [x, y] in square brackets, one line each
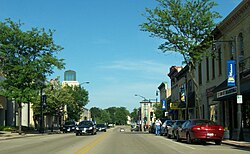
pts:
[158, 126]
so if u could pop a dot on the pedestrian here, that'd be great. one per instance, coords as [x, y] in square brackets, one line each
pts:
[157, 126]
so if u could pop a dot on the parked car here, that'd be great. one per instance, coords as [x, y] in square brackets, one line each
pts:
[134, 128]
[86, 127]
[69, 126]
[165, 126]
[172, 130]
[101, 127]
[200, 129]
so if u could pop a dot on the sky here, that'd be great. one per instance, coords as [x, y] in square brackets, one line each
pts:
[103, 43]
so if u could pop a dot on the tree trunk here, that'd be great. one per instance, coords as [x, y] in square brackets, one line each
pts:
[19, 118]
[197, 92]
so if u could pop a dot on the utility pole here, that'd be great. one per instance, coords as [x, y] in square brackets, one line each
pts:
[239, 96]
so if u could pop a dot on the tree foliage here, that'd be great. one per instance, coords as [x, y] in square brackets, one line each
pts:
[114, 115]
[26, 57]
[134, 115]
[158, 110]
[185, 27]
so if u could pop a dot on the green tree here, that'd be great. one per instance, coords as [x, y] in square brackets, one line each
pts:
[185, 27]
[121, 116]
[26, 58]
[105, 117]
[80, 99]
[95, 112]
[158, 110]
[134, 115]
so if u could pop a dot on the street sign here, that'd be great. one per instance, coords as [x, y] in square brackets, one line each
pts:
[239, 99]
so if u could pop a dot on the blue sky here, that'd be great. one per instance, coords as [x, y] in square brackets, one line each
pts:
[103, 43]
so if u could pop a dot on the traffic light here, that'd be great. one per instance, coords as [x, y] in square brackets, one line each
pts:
[151, 116]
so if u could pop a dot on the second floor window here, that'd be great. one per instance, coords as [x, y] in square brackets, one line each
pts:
[241, 45]
[207, 65]
[219, 61]
[200, 74]
[213, 68]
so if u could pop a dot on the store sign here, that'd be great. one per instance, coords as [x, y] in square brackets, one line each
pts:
[226, 92]
[231, 73]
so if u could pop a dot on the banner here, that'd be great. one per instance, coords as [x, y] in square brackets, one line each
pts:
[163, 104]
[231, 73]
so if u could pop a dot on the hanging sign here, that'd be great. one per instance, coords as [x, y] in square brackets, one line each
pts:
[163, 104]
[231, 73]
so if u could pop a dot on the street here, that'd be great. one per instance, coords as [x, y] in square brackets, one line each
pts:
[111, 142]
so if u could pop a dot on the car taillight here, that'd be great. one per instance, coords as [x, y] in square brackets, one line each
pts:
[221, 128]
[195, 128]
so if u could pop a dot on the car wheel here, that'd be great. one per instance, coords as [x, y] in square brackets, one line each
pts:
[177, 137]
[77, 134]
[173, 135]
[218, 142]
[189, 140]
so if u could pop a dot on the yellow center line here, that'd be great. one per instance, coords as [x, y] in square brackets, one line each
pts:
[87, 147]
[94, 144]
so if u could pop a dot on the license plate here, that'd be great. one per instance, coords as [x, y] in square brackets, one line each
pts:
[210, 134]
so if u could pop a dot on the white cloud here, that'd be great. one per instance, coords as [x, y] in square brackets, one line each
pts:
[147, 66]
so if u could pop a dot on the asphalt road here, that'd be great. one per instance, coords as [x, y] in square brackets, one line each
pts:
[111, 142]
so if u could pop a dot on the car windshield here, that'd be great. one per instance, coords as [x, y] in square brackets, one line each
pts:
[204, 122]
[69, 123]
[100, 125]
[179, 123]
[85, 123]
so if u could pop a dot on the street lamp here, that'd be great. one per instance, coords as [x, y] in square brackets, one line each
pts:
[239, 96]
[141, 97]
[86, 82]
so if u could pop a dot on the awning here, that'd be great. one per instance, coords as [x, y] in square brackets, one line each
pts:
[223, 92]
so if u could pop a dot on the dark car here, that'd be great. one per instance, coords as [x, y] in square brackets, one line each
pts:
[200, 129]
[86, 127]
[69, 126]
[172, 130]
[165, 126]
[101, 127]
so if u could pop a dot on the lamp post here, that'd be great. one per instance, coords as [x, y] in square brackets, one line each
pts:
[42, 104]
[239, 96]
[86, 82]
[144, 99]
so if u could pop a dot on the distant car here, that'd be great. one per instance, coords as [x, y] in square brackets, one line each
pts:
[86, 127]
[134, 128]
[122, 130]
[172, 130]
[101, 127]
[200, 129]
[69, 126]
[165, 126]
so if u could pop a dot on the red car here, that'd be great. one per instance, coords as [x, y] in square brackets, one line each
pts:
[200, 129]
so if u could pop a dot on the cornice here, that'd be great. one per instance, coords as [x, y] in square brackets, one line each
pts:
[241, 11]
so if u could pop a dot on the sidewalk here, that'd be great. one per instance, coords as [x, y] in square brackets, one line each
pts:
[237, 143]
[5, 135]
